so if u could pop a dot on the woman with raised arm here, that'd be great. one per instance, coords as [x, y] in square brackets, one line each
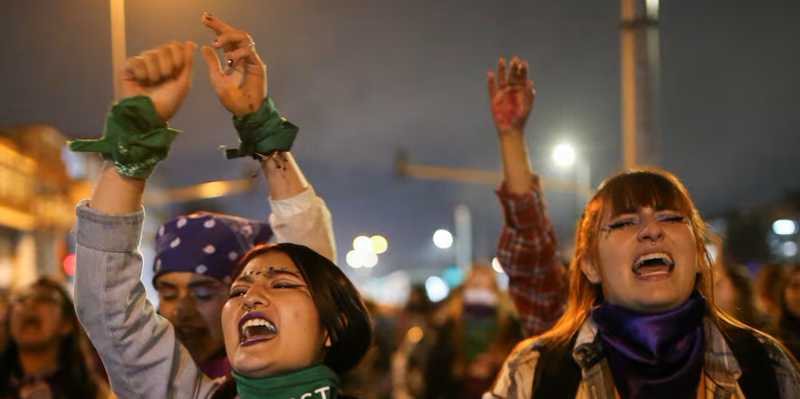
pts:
[640, 319]
[527, 248]
[293, 321]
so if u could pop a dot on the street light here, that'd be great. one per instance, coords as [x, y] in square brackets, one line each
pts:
[784, 227]
[564, 155]
[443, 239]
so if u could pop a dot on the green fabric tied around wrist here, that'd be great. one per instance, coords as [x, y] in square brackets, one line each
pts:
[134, 137]
[262, 131]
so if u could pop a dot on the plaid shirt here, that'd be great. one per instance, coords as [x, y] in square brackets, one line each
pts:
[528, 252]
[720, 369]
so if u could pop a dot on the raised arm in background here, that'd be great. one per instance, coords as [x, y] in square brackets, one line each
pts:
[527, 248]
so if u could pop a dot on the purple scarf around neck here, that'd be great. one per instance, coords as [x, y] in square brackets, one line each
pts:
[653, 355]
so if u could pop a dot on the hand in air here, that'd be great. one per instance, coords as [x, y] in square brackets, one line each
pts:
[163, 73]
[241, 80]
[511, 95]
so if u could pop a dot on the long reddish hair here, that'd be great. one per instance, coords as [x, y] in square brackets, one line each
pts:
[633, 188]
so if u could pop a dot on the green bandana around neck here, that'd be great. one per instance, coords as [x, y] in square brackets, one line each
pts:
[262, 131]
[134, 137]
[315, 382]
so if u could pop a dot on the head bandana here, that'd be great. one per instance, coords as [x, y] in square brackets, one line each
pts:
[206, 243]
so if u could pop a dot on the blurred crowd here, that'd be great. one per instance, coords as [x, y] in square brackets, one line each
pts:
[448, 349]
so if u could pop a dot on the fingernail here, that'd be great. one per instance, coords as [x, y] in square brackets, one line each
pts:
[208, 16]
[230, 61]
[215, 42]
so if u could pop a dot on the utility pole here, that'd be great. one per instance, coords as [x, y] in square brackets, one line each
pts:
[640, 78]
[118, 52]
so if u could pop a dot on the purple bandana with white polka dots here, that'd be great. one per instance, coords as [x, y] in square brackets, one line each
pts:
[206, 243]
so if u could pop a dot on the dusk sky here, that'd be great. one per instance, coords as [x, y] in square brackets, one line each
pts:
[364, 79]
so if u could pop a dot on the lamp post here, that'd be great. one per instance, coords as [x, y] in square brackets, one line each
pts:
[118, 52]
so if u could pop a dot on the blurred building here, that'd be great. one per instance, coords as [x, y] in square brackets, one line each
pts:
[40, 183]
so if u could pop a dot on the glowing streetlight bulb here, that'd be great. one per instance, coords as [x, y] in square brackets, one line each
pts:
[564, 155]
[443, 239]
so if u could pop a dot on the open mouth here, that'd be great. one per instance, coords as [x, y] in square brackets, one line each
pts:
[31, 321]
[653, 265]
[255, 327]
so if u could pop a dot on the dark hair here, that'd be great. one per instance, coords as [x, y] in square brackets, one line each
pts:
[341, 310]
[74, 374]
[746, 310]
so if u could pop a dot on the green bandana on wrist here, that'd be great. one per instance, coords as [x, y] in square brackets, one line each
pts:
[134, 138]
[262, 131]
[315, 382]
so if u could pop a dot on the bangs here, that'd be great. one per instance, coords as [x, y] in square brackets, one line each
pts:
[630, 191]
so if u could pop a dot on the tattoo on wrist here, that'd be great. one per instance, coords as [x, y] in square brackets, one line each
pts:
[277, 156]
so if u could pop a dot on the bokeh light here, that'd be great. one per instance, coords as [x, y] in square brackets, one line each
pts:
[784, 227]
[369, 259]
[497, 266]
[436, 288]
[362, 243]
[443, 239]
[379, 244]
[354, 259]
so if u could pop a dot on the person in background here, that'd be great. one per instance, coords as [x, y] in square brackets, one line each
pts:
[46, 356]
[788, 326]
[767, 294]
[4, 294]
[473, 333]
[733, 292]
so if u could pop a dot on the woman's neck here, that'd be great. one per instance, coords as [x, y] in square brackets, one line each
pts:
[37, 360]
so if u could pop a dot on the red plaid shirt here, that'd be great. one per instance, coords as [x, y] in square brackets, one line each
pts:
[528, 252]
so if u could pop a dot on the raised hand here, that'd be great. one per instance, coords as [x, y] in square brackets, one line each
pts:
[511, 94]
[163, 73]
[241, 84]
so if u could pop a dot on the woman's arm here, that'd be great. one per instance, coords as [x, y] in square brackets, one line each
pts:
[138, 348]
[527, 248]
[298, 214]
